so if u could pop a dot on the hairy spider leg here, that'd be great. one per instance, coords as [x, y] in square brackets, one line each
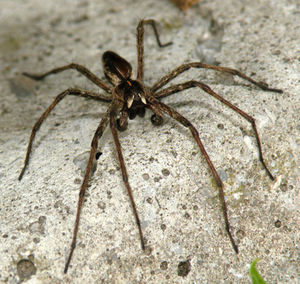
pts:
[59, 97]
[173, 74]
[94, 146]
[191, 84]
[159, 107]
[81, 69]
[140, 45]
[113, 127]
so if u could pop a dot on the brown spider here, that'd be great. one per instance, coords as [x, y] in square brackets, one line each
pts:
[128, 98]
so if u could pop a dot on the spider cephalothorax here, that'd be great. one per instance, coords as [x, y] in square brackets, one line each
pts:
[132, 93]
[129, 97]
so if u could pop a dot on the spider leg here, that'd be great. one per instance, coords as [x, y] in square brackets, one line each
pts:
[81, 69]
[94, 146]
[207, 89]
[158, 107]
[113, 127]
[122, 121]
[74, 92]
[173, 74]
[140, 44]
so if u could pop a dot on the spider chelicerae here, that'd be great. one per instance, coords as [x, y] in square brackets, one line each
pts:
[127, 98]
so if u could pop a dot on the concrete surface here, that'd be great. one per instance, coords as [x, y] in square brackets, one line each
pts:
[174, 191]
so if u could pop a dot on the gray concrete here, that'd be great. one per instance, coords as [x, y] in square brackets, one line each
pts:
[174, 191]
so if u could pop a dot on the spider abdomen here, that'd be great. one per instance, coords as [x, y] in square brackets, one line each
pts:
[116, 68]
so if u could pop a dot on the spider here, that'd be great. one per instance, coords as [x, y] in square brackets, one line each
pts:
[128, 98]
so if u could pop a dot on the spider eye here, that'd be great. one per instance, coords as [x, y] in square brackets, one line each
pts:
[116, 66]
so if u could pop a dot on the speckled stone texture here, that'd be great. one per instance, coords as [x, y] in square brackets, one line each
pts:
[174, 191]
